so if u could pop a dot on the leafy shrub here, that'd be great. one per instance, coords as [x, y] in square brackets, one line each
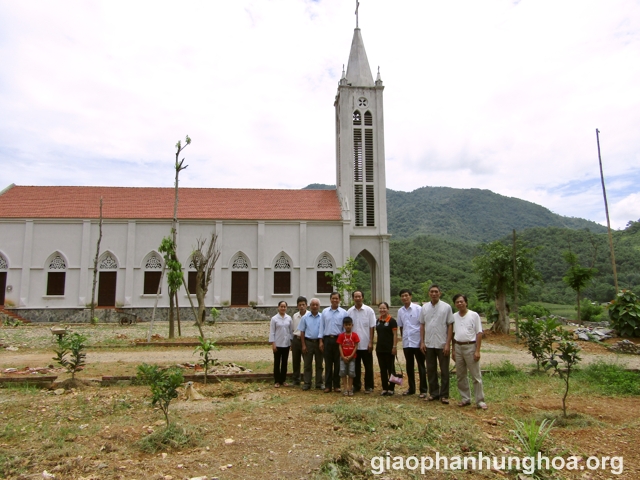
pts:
[171, 437]
[624, 313]
[70, 354]
[533, 311]
[538, 336]
[205, 348]
[590, 311]
[164, 385]
[611, 378]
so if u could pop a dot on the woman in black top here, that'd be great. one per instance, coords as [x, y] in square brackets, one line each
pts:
[387, 330]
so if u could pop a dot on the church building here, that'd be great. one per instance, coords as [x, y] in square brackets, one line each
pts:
[274, 244]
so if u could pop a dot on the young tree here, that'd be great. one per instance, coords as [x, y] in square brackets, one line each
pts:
[164, 385]
[577, 277]
[344, 280]
[174, 277]
[563, 361]
[72, 345]
[95, 266]
[204, 262]
[495, 268]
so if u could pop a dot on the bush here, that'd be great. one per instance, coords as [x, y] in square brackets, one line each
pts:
[164, 385]
[533, 311]
[170, 437]
[70, 352]
[538, 336]
[624, 313]
[590, 311]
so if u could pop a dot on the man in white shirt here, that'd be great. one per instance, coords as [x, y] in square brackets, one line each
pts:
[364, 321]
[466, 352]
[296, 344]
[409, 324]
[436, 333]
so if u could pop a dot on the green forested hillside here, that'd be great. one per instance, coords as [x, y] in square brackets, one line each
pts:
[436, 232]
[466, 214]
[422, 259]
[469, 215]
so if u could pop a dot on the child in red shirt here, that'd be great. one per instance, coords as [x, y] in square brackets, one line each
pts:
[348, 342]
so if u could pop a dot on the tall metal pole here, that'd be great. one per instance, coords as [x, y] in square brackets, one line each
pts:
[515, 286]
[606, 208]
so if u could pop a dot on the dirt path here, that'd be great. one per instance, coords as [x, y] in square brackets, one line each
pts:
[492, 354]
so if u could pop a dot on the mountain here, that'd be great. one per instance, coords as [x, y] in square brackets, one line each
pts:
[467, 215]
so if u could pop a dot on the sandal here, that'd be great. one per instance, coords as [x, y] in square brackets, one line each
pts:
[345, 393]
[285, 384]
[431, 399]
[445, 401]
[350, 392]
[464, 404]
[422, 395]
[277, 385]
[482, 406]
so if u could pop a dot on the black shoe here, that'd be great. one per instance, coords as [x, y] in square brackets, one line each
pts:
[319, 387]
[296, 384]
[306, 387]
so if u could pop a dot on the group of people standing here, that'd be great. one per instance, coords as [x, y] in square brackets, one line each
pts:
[343, 341]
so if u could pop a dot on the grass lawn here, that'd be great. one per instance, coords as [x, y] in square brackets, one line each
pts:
[256, 431]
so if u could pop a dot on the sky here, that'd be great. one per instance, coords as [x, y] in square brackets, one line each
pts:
[499, 95]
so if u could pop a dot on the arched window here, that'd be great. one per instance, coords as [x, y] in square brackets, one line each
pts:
[107, 280]
[357, 118]
[56, 275]
[323, 281]
[152, 274]
[282, 275]
[4, 266]
[192, 277]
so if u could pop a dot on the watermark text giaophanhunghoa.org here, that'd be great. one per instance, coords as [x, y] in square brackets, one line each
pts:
[527, 465]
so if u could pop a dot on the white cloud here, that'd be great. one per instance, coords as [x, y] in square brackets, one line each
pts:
[493, 95]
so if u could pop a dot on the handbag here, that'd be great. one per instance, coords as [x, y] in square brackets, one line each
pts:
[397, 379]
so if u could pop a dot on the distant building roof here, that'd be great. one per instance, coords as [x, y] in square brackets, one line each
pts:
[157, 203]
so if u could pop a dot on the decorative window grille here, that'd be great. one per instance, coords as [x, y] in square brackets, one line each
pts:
[153, 263]
[359, 205]
[364, 171]
[357, 155]
[283, 263]
[357, 119]
[240, 263]
[57, 263]
[368, 155]
[3, 263]
[371, 211]
[192, 265]
[325, 263]
[108, 263]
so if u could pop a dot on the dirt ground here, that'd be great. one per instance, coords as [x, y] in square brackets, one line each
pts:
[252, 430]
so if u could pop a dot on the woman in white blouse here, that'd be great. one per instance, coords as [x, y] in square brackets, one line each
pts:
[280, 332]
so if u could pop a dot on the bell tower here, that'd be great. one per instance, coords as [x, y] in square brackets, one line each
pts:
[360, 165]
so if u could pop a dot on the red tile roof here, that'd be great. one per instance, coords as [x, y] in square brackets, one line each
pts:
[157, 203]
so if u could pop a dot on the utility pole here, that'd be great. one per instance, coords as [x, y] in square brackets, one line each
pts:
[515, 287]
[606, 208]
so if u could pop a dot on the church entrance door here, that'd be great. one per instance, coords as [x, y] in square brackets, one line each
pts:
[240, 288]
[3, 286]
[107, 289]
